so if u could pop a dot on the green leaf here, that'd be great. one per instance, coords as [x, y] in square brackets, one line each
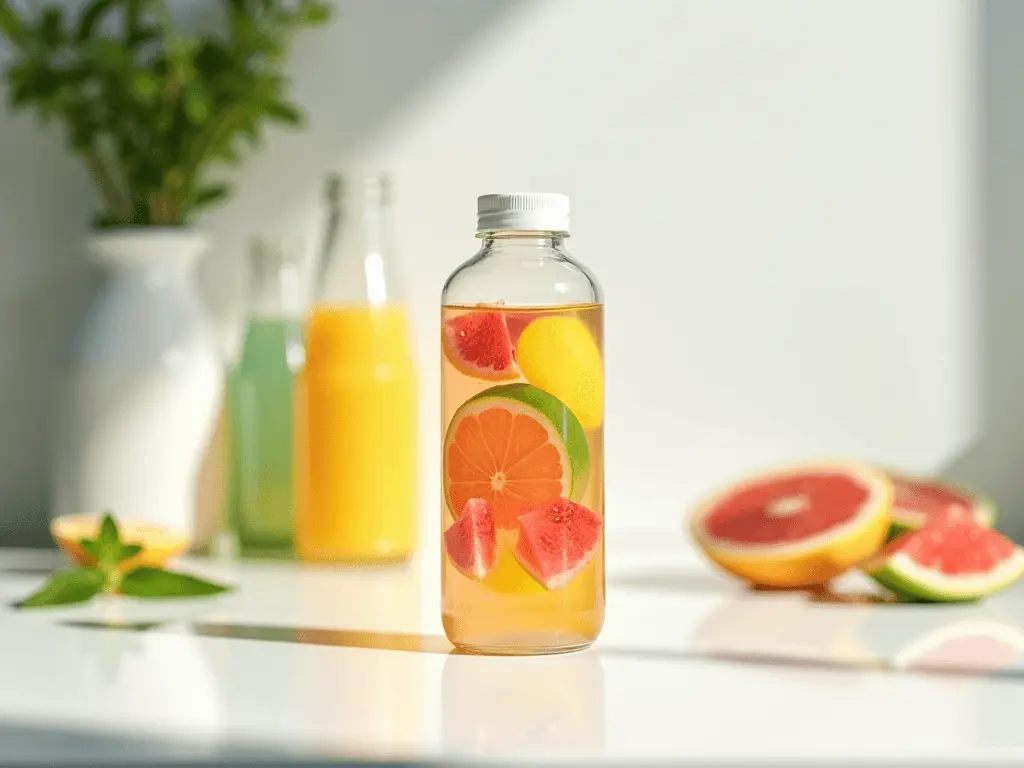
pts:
[90, 17]
[11, 24]
[145, 86]
[67, 588]
[93, 547]
[284, 113]
[315, 13]
[109, 537]
[51, 26]
[157, 582]
[197, 106]
[129, 551]
[211, 193]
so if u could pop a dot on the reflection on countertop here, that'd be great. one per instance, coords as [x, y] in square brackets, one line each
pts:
[335, 663]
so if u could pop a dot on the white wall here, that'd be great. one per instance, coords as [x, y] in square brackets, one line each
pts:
[44, 287]
[778, 198]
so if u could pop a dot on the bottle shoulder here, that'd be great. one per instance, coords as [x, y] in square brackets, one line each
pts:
[521, 277]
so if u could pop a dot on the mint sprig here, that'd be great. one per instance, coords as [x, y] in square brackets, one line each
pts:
[106, 577]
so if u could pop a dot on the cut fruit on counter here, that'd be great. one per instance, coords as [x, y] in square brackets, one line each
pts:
[917, 501]
[951, 559]
[159, 543]
[798, 526]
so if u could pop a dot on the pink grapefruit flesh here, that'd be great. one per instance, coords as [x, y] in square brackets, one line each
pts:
[916, 502]
[478, 345]
[795, 527]
[787, 510]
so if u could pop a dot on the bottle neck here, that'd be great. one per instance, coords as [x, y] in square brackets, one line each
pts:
[359, 267]
[520, 239]
[275, 288]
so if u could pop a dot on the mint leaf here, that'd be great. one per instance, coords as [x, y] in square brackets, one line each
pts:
[129, 551]
[110, 537]
[157, 582]
[93, 547]
[67, 588]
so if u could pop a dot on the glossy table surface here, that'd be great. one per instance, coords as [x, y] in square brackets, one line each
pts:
[329, 663]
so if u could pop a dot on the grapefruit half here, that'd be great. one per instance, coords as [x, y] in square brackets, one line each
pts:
[951, 559]
[917, 501]
[516, 447]
[795, 527]
[478, 344]
[159, 544]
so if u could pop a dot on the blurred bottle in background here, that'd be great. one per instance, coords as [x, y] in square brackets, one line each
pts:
[261, 400]
[356, 405]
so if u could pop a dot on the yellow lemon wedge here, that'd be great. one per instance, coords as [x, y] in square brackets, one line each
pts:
[159, 543]
[559, 355]
[508, 575]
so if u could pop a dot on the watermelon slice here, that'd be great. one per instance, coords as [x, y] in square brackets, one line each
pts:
[471, 541]
[798, 526]
[478, 344]
[917, 501]
[556, 541]
[950, 559]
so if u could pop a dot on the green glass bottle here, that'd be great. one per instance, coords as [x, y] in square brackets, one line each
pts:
[261, 401]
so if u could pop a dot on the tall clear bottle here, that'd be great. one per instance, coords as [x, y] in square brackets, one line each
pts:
[358, 472]
[522, 382]
[260, 400]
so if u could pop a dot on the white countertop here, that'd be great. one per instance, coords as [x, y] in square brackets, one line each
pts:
[317, 662]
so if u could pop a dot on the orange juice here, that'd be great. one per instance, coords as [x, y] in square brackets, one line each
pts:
[357, 441]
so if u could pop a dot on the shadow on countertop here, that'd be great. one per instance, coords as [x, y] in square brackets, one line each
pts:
[32, 745]
[436, 644]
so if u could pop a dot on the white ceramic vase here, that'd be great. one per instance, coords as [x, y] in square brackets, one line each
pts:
[142, 388]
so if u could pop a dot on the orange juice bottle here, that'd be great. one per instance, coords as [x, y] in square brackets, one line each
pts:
[356, 494]
[522, 383]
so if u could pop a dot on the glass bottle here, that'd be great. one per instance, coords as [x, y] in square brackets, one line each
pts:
[260, 399]
[522, 383]
[358, 489]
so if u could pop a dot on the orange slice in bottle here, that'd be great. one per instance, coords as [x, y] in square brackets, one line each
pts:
[517, 447]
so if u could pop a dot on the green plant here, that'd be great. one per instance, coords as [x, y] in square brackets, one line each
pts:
[149, 108]
[80, 585]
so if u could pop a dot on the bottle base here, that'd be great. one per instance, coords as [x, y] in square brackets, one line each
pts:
[265, 551]
[525, 642]
[356, 561]
[520, 650]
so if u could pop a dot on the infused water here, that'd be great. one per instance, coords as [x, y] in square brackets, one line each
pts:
[522, 477]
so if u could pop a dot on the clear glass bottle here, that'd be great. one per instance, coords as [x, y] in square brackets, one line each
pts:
[260, 400]
[358, 489]
[522, 383]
